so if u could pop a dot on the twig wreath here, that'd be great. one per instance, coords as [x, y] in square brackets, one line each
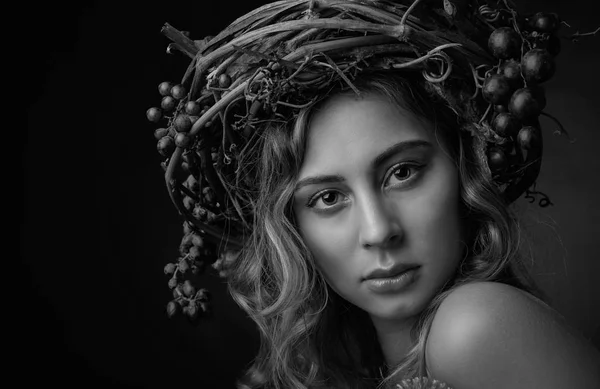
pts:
[272, 62]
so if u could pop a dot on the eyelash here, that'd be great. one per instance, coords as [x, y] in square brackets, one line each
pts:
[416, 167]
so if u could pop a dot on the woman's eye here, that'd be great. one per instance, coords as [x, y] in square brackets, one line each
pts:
[404, 172]
[328, 199]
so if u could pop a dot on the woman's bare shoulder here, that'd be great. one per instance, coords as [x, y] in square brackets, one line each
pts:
[492, 335]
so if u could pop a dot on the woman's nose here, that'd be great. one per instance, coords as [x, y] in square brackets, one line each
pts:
[379, 224]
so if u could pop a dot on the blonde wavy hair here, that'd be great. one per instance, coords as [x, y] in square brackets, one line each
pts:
[310, 336]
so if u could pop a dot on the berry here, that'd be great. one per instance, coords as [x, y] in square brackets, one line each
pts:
[164, 88]
[544, 22]
[187, 228]
[183, 140]
[224, 80]
[538, 66]
[528, 137]
[192, 183]
[209, 194]
[210, 217]
[500, 108]
[205, 307]
[497, 160]
[188, 289]
[197, 240]
[154, 114]
[527, 102]
[172, 309]
[182, 123]
[160, 133]
[511, 70]
[203, 295]
[166, 146]
[178, 291]
[188, 203]
[199, 213]
[505, 43]
[178, 92]
[168, 103]
[183, 266]
[186, 241]
[183, 250]
[192, 311]
[496, 89]
[505, 124]
[194, 253]
[169, 268]
[172, 283]
[192, 108]
[172, 132]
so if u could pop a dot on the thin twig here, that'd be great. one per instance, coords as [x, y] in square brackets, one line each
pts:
[578, 34]
[485, 114]
[425, 57]
[561, 130]
[445, 60]
[477, 85]
[233, 201]
[223, 66]
[342, 75]
[296, 106]
[408, 11]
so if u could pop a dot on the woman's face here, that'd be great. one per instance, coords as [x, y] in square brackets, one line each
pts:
[377, 190]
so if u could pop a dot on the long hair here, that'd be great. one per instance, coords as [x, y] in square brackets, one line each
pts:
[310, 336]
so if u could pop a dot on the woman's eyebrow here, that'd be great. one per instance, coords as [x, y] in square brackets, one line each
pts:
[314, 180]
[399, 148]
[381, 158]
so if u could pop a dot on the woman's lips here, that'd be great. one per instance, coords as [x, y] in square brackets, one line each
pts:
[392, 271]
[393, 284]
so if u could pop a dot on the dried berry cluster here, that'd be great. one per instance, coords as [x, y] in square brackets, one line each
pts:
[195, 252]
[176, 133]
[525, 53]
[187, 298]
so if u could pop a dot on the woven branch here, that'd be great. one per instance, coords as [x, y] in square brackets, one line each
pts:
[282, 55]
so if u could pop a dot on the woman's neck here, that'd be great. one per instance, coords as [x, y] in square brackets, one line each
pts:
[394, 339]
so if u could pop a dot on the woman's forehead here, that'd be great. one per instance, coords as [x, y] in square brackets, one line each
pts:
[348, 127]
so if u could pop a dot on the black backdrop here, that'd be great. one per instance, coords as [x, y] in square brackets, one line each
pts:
[98, 225]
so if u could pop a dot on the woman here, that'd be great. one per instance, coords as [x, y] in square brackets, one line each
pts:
[377, 241]
[425, 204]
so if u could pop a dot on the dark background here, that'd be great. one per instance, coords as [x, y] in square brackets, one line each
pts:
[98, 225]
